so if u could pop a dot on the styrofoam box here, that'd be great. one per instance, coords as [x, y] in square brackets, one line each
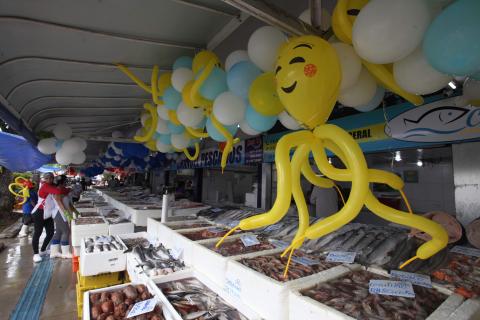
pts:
[178, 211]
[121, 228]
[255, 286]
[213, 264]
[87, 230]
[151, 238]
[101, 262]
[303, 307]
[174, 315]
[139, 217]
[86, 297]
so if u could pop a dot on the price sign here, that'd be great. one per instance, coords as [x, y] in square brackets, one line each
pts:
[142, 307]
[341, 256]
[414, 278]
[391, 288]
[249, 240]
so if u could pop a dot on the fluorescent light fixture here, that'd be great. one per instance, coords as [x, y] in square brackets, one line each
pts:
[419, 163]
[398, 157]
[452, 85]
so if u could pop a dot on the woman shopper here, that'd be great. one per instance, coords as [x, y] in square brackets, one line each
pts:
[60, 247]
[42, 215]
[27, 208]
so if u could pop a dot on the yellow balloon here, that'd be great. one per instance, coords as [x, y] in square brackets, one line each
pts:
[202, 58]
[164, 82]
[172, 115]
[150, 127]
[308, 79]
[186, 94]
[263, 95]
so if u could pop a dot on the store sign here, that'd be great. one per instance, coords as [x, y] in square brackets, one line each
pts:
[441, 121]
[212, 157]
[254, 150]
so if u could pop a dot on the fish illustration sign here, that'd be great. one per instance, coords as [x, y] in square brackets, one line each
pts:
[442, 121]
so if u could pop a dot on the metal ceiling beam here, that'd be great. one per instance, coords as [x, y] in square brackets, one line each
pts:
[160, 42]
[204, 7]
[273, 16]
[227, 30]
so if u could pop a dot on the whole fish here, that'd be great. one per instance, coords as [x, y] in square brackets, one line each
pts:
[353, 241]
[380, 255]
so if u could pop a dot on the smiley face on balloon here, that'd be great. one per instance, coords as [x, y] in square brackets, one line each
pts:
[308, 79]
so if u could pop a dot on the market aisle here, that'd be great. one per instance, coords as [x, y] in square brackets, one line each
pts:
[16, 267]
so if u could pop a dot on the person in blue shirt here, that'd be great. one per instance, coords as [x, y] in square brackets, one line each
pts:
[27, 208]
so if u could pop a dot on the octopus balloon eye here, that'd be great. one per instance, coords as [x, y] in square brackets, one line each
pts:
[278, 69]
[353, 12]
[297, 60]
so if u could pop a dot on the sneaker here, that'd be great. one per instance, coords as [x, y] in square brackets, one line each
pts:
[37, 258]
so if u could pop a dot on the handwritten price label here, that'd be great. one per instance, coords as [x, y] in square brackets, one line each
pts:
[414, 278]
[233, 286]
[142, 307]
[249, 240]
[391, 288]
[341, 256]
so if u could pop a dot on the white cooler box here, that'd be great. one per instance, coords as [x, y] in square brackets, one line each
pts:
[139, 217]
[95, 263]
[87, 230]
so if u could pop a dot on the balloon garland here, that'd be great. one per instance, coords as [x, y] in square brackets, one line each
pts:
[21, 188]
[308, 76]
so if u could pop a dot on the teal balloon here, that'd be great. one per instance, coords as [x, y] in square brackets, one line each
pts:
[241, 76]
[58, 144]
[174, 129]
[216, 135]
[171, 98]
[183, 62]
[259, 122]
[451, 42]
[376, 100]
[165, 139]
[215, 84]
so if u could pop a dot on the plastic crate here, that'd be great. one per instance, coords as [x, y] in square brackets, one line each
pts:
[100, 281]
[75, 264]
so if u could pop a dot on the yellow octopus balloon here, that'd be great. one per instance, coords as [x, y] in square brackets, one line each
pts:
[308, 78]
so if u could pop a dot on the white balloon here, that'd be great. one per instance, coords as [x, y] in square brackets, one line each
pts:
[165, 148]
[288, 122]
[471, 89]
[71, 145]
[62, 131]
[361, 92]
[162, 112]
[247, 129]
[263, 47]
[117, 134]
[47, 146]
[417, 76]
[234, 58]
[350, 64]
[386, 31]
[143, 118]
[325, 18]
[162, 126]
[180, 141]
[189, 117]
[80, 157]
[229, 109]
[63, 157]
[180, 77]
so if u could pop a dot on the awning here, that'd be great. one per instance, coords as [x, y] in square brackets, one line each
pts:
[17, 154]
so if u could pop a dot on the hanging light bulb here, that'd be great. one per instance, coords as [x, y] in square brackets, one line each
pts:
[398, 156]
[420, 163]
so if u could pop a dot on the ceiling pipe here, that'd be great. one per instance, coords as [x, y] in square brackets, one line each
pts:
[274, 16]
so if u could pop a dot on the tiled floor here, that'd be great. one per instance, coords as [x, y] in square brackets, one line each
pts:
[15, 269]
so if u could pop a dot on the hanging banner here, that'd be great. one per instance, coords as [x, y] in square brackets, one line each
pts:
[437, 122]
[253, 150]
[211, 157]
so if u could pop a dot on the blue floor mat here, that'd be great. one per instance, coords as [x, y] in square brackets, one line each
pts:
[30, 304]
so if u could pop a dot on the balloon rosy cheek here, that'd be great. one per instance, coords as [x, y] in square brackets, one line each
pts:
[310, 70]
